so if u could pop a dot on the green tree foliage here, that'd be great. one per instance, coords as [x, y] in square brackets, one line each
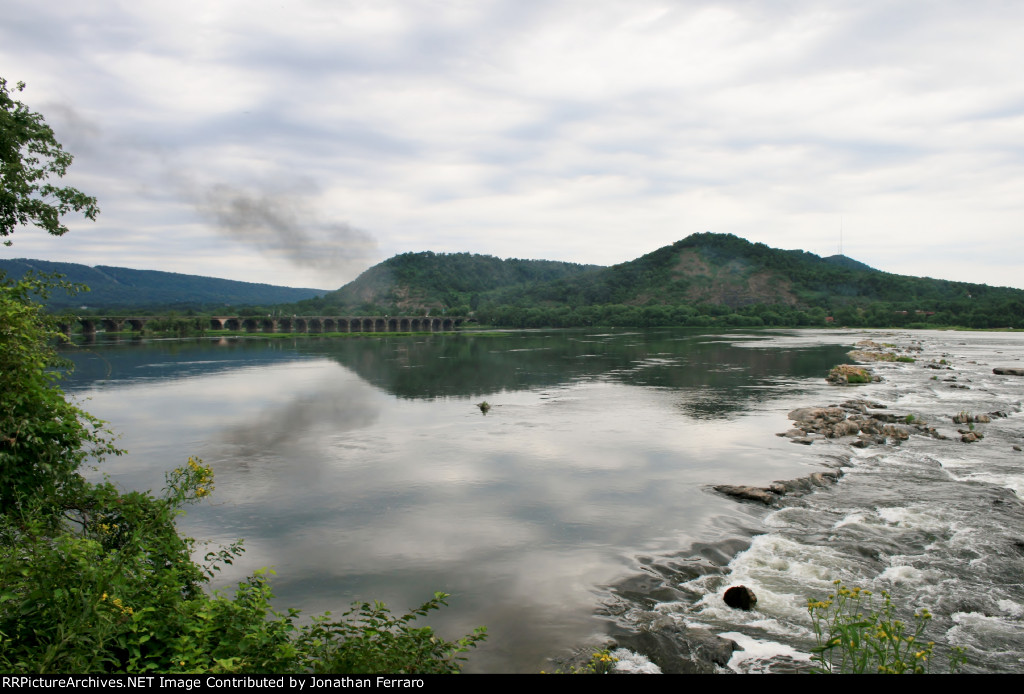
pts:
[29, 156]
[441, 280]
[43, 438]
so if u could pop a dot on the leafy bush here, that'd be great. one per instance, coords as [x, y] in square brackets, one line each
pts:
[370, 639]
[850, 641]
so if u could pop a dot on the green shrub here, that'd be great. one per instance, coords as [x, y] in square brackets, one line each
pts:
[853, 636]
[369, 639]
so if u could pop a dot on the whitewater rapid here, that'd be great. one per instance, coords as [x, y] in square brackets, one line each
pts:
[938, 523]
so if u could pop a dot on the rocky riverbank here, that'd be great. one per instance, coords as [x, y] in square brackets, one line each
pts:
[936, 402]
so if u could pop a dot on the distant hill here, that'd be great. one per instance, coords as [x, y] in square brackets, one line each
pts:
[725, 270]
[414, 281]
[123, 288]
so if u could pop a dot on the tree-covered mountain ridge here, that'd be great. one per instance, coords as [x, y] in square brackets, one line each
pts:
[119, 288]
[704, 274]
[414, 282]
[726, 270]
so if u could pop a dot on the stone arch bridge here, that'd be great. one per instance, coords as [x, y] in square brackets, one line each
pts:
[279, 324]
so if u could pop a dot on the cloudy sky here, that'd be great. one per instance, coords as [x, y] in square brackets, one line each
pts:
[298, 142]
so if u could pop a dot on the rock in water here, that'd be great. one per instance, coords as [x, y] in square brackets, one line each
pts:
[740, 598]
[765, 496]
[845, 374]
[1008, 371]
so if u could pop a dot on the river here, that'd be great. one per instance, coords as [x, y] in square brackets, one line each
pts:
[580, 504]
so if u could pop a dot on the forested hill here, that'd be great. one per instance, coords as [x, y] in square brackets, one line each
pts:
[725, 270]
[413, 281]
[119, 288]
[718, 274]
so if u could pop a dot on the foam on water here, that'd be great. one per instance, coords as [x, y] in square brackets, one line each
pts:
[758, 655]
[631, 663]
[899, 575]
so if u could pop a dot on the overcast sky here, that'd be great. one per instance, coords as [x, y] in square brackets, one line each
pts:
[300, 142]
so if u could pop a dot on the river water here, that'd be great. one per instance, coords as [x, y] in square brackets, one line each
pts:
[580, 503]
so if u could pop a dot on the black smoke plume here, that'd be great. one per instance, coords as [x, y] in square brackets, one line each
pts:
[282, 226]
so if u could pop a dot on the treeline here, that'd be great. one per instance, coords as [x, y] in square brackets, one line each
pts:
[878, 315]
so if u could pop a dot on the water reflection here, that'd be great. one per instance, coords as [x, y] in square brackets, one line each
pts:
[361, 468]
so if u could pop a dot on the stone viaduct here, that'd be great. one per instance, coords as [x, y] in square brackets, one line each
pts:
[280, 324]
